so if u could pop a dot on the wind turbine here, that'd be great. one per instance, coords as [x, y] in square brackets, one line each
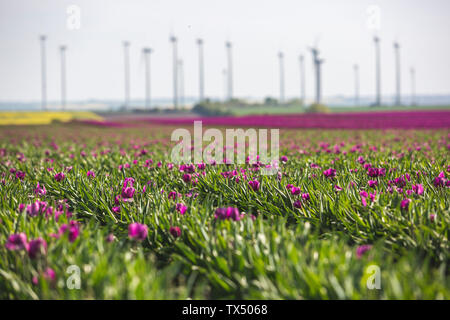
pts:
[356, 70]
[225, 82]
[302, 79]
[229, 70]
[281, 56]
[126, 56]
[62, 50]
[42, 39]
[376, 40]
[413, 86]
[173, 39]
[201, 79]
[146, 52]
[181, 81]
[397, 73]
[317, 64]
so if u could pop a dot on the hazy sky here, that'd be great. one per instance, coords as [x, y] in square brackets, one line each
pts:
[258, 29]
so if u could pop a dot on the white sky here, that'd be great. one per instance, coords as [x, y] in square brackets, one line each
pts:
[257, 28]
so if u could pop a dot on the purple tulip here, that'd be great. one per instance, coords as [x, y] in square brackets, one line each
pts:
[128, 182]
[172, 195]
[330, 173]
[110, 238]
[187, 168]
[21, 207]
[376, 172]
[418, 189]
[363, 201]
[49, 274]
[20, 175]
[40, 190]
[175, 232]
[181, 208]
[228, 213]
[72, 229]
[36, 247]
[363, 195]
[17, 242]
[405, 203]
[362, 249]
[59, 176]
[440, 180]
[254, 185]
[35, 208]
[115, 209]
[373, 183]
[187, 177]
[400, 181]
[297, 204]
[137, 231]
[127, 193]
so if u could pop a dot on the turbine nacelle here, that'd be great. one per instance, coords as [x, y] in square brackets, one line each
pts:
[147, 50]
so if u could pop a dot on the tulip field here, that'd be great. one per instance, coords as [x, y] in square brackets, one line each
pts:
[92, 211]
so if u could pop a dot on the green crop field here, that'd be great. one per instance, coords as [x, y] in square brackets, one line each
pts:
[101, 213]
[281, 109]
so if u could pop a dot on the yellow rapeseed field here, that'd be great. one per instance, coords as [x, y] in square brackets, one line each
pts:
[44, 117]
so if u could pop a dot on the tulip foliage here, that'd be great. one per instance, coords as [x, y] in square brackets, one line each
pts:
[107, 205]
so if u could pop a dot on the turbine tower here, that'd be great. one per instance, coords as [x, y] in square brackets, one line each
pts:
[317, 65]
[181, 82]
[281, 57]
[356, 70]
[62, 50]
[377, 71]
[397, 73]
[225, 84]
[146, 52]
[201, 77]
[302, 79]
[173, 39]
[229, 70]
[42, 39]
[126, 56]
[413, 86]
